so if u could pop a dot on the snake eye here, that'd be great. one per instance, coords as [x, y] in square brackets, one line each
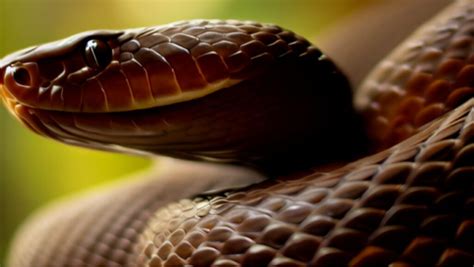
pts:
[97, 54]
[22, 76]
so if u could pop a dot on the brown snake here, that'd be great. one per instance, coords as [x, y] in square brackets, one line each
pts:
[253, 94]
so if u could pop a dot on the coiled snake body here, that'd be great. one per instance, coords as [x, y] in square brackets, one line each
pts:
[256, 95]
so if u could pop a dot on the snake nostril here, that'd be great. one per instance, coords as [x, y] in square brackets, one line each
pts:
[22, 76]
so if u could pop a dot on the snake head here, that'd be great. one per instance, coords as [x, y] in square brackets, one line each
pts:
[113, 71]
[54, 76]
[214, 90]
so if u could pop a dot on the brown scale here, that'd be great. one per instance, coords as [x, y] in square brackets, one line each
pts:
[422, 80]
[211, 45]
[413, 207]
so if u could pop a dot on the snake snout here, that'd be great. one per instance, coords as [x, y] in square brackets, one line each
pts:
[21, 81]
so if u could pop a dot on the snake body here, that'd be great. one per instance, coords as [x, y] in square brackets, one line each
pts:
[242, 93]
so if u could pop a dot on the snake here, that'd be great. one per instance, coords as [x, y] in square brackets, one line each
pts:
[384, 178]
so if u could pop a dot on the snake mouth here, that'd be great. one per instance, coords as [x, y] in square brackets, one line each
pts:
[126, 131]
[174, 129]
[135, 130]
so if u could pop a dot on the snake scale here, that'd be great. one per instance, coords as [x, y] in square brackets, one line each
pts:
[257, 95]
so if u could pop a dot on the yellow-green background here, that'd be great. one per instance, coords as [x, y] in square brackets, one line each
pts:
[34, 170]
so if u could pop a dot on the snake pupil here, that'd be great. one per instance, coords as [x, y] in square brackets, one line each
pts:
[97, 54]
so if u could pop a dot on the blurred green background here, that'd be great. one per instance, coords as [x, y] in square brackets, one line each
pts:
[35, 170]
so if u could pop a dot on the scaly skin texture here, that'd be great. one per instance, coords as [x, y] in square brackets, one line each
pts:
[429, 74]
[409, 205]
[412, 204]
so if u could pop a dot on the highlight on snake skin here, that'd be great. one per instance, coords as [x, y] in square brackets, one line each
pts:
[381, 178]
